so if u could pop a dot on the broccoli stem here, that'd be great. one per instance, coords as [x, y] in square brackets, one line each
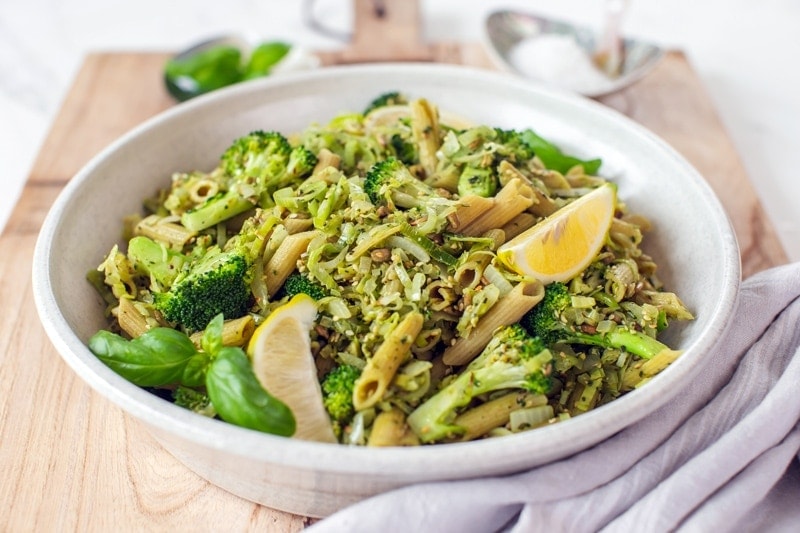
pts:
[215, 210]
[432, 421]
[634, 342]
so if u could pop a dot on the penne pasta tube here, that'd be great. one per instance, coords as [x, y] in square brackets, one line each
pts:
[390, 429]
[284, 261]
[518, 224]
[480, 420]
[542, 204]
[202, 190]
[468, 209]
[552, 179]
[131, 321]
[236, 332]
[425, 129]
[325, 159]
[297, 225]
[383, 365]
[641, 371]
[508, 310]
[170, 233]
[514, 198]
[498, 237]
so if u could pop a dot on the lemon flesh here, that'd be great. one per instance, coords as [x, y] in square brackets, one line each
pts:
[284, 365]
[562, 245]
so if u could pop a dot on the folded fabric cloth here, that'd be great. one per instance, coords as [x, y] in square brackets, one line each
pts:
[722, 456]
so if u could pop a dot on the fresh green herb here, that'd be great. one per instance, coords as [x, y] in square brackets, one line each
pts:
[239, 398]
[154, 359]
[552, 156]
[192, 74]
[217, 380]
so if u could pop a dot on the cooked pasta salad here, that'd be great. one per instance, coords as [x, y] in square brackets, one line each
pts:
[410, 277]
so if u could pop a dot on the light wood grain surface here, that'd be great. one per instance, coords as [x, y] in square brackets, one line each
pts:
[70, 460]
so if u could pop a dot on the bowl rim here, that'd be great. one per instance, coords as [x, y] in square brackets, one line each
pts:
[439, 461]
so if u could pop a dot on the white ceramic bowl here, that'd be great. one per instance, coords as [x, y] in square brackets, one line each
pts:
[693, 243]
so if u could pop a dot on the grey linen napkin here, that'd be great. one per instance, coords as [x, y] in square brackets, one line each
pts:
[722, 456]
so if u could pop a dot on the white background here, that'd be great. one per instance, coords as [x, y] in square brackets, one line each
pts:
[747, 54]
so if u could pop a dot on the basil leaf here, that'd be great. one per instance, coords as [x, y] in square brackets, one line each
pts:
[211, 342]
[264, 57]
[553, 158]
[239, 398]
[194, 374]
[156, 358]
[187, 76]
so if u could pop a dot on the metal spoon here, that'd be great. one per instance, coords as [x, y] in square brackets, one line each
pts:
[507, 30]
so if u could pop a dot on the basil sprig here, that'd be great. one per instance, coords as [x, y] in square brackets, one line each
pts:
[166, 357]
[554, 159]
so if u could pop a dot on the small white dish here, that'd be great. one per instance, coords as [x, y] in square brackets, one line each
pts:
[560, 54]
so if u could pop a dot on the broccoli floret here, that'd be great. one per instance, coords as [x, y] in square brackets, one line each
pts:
[513, 144]
[511, 360]
[404, 149]
[298, 283]
[470, 159]
[301, 163]
[193, 400]
[386, 99]
[259, 155]
[337, 395]
[256, 165]
[478, 181]
[390, 182]
[219, 282]
[546, 321]
[155, 260]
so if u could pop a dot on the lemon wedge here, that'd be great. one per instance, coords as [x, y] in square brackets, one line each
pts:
[562, 245]
[280, 349]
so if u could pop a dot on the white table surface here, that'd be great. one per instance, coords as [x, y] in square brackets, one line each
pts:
[746, 53]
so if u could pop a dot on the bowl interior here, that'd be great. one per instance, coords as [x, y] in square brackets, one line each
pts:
[692, 242]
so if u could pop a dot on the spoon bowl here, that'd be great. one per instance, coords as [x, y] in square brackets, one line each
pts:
[508, 31]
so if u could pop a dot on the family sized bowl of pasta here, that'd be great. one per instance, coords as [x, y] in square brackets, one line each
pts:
[322, 286]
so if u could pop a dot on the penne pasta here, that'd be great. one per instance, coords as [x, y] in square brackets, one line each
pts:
[284, 260]
[514, 198]
[425, 129]
[162, 230]
[390, 429]
[542, 204]
[236, 332]
[518, 224]
[508, 310]
[383, 364]
[495, 413]
[469, 209]
[131, 321]
[297, 225]
[325, 159]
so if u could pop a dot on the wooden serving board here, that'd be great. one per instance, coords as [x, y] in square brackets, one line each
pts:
[71, 460]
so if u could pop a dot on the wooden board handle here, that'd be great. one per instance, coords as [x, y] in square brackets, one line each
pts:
[384, 30]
